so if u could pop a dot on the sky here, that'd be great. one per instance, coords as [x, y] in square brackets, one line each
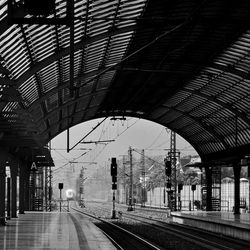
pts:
[134, 132]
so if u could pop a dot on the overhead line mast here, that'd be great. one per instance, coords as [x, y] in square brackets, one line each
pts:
[171, 172]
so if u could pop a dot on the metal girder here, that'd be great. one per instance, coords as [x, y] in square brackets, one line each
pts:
[229, 155]
[101, 65]
[197, 120]
[21, 141]
[64, 85]
[79, 113]
[70, 6]
[163, 34]
[83, 61]
[38, 81]
[64, 52]
[232, 70]
[201, 64]
[67, 104]
[222, 104]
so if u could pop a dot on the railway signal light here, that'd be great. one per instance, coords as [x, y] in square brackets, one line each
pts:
[193, 187]
[167, 167]
[114, 178]
[180, 187]
[113, 171]
[113, 167]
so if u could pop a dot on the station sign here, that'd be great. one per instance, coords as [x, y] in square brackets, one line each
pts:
[33, 166]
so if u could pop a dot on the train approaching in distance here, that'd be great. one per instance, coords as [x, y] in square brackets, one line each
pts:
[70, 194]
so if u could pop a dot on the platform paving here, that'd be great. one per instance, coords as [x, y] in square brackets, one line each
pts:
[225, 223]
[41, 230]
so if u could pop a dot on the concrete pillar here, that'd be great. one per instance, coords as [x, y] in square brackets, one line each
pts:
[27, 187]
[2, 195]
[22, 186]
[2, 188]
[14, 173]
[237, 170]
[208, 171]
[248, 188]
[8, 197]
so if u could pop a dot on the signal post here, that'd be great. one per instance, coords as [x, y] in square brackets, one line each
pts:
[113, 171]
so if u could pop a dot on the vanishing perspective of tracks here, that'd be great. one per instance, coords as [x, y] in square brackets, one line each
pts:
[121, 238]
[175, 233]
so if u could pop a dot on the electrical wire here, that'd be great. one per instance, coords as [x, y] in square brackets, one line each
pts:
[98, 153]
[148, 157]
[60, 154]
[104, 146]
[155, 140]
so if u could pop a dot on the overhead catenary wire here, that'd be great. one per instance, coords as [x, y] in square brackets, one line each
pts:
[98, 124]
[138, 51]
[129, 126]
[94, 149]
[148, 157]
[155, 140]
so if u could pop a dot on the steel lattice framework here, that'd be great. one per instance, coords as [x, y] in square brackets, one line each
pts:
[184, 64]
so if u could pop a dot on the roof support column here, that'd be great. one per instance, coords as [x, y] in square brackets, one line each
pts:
[2, 188]
[248, 187]
[8, 197]
[27, 190]
[23, 187]
[237, 170]
[14, 172]
[208, 171]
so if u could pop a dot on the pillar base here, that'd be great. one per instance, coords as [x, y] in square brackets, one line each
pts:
[113, 214]
[130, 208]
[2, 221]
[237, 213]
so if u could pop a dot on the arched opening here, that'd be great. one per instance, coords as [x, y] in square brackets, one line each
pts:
[91, 159]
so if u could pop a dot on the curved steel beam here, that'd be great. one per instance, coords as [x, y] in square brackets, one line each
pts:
[237, 113]
[64, 85]
[230, 69]
[79, 113]
[69, 103]
[207, 128]
[122, 112]
[64, 52]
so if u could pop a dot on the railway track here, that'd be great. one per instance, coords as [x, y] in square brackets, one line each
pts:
[121, 238]
[199, 237]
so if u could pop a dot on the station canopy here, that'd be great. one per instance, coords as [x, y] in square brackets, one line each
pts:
[184, 64]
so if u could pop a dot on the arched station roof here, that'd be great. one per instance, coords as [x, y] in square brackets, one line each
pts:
[184, 64]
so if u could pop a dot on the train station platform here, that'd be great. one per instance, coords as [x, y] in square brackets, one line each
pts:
[224, 223]
[52, 230]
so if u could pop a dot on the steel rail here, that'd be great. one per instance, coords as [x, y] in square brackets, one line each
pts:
[180, 233]
[178, 230]
[138, 238]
